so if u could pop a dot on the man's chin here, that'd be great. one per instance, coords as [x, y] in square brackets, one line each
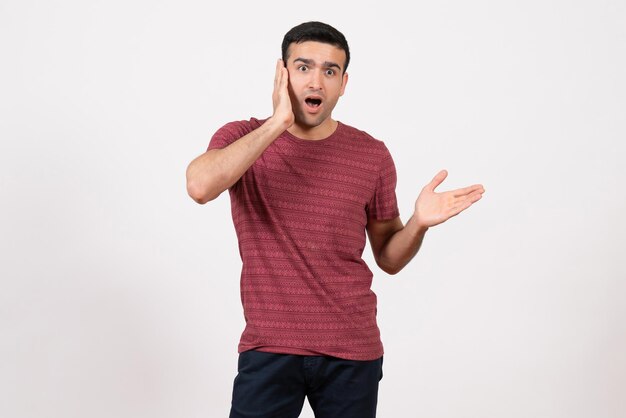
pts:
[310, 121]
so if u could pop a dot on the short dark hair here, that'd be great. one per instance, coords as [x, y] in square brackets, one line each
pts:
[318, 32]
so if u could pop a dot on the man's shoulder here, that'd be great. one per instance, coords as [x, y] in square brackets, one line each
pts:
[232, 131]
[362, 137]
[242, 127]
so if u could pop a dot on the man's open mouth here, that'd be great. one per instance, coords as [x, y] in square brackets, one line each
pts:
[312, 102]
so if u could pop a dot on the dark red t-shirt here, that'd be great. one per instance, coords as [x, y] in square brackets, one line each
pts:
[300, 213]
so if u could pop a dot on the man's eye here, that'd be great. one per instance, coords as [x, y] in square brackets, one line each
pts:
[302, 68]
[330, 72]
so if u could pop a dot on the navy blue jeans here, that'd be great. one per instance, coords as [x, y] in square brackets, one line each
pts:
[274, 386]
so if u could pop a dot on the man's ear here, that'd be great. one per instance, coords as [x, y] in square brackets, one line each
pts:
[344, 81]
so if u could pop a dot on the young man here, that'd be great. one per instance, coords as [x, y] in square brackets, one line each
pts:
[304, 190]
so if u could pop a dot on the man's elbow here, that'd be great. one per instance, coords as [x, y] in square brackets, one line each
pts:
[199, 194]
[391, 269]
[201, 189]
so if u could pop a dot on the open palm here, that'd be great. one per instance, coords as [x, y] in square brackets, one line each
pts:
[432, 208]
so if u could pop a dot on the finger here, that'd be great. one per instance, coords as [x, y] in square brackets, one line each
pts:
[278, 73]
[284, 80]
[476, 196]
[453, 203]
[467, 190]
[471, 198]
[463, 204]
[437, 180]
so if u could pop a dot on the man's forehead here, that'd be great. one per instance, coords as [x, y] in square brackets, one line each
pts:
[317, 51]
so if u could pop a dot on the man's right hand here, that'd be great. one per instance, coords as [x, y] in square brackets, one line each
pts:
[283, 113]
[216, 170]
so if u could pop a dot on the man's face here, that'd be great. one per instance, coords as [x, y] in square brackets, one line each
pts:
[316, 81]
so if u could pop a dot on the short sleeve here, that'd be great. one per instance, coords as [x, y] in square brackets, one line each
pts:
[384, 205]
[229, 133]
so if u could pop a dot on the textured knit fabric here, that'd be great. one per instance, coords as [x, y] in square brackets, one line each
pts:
[300, 213]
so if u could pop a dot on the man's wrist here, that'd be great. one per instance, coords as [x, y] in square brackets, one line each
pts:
[415, 227]
[277, 124]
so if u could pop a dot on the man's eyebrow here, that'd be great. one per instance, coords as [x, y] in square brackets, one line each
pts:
[325, 64]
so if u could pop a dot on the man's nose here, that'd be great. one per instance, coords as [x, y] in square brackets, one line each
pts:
[315, 80]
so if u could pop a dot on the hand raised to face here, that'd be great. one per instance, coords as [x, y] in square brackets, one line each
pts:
[280, 97]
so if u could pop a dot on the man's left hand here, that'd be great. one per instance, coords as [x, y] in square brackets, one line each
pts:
[432, 208]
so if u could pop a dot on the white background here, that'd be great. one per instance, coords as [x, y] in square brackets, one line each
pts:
[119, 295]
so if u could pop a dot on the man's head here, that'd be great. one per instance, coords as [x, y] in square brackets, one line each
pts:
[317, 32]
[316, 56]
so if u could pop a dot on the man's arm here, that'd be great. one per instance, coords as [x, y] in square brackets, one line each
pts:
[394, 244]
[217, 169]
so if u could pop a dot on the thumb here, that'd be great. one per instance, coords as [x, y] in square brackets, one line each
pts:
[437, 180]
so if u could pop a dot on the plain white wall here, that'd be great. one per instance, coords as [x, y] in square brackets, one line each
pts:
[119, 295]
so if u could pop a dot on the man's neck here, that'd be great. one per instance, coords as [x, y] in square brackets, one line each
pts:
[314, 133]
